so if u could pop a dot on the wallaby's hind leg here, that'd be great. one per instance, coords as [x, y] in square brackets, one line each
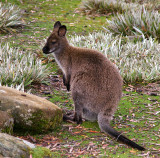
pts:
[78, 117]
[88, 115]
[78, 103]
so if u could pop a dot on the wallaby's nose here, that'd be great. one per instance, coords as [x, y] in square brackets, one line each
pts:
[45, 50]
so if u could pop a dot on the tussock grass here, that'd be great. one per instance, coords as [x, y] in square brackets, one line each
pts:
[149, 4]
[100, 7]
[107, 7]
[19, 68]
[10, 18]
[140, 22]
[138, 62]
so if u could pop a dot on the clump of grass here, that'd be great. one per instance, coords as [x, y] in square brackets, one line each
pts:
[101, 7]
[20, 68]
[149, 4]
[141, 1]
[140, 22]
[107, 7]
[138, 62]
[10, 18]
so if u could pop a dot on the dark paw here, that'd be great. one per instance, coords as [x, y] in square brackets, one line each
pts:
[68, 87]
[67, 117]
[77, 119]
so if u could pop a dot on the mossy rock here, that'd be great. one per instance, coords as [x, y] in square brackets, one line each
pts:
[6, 123]
[30, 112]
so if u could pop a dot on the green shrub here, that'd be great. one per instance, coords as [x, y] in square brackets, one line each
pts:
[140, 22]
[20, 68]
[138, 62]
[10, 18]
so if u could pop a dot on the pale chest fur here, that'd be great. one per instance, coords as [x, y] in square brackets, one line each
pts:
[60, 64]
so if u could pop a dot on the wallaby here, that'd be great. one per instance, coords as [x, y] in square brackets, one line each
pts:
[94, 81]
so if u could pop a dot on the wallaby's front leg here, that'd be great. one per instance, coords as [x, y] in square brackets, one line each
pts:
[66, 81]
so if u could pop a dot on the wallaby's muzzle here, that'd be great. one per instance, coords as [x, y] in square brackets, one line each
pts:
[45, 50]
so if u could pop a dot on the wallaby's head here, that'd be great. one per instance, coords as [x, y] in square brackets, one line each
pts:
[57, 41]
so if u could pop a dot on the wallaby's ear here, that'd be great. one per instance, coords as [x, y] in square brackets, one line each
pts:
[57, 25]
[62, 31]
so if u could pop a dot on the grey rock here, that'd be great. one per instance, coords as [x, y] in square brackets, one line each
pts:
[29, 111]
[12, 147]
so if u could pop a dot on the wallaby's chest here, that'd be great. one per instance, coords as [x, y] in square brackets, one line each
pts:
[61, 65]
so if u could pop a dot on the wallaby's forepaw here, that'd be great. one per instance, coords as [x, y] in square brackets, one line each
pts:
[68, 87]
[67, 84]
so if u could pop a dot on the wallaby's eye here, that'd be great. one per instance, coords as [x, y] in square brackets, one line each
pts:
[53, 42]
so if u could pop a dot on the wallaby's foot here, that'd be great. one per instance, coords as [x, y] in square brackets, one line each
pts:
[77, 118]
[68, 118]
[71, 119]
[68, 115]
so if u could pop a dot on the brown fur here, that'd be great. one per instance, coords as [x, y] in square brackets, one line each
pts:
[94, 81]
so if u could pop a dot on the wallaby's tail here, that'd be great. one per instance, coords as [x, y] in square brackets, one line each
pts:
[120, 137]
